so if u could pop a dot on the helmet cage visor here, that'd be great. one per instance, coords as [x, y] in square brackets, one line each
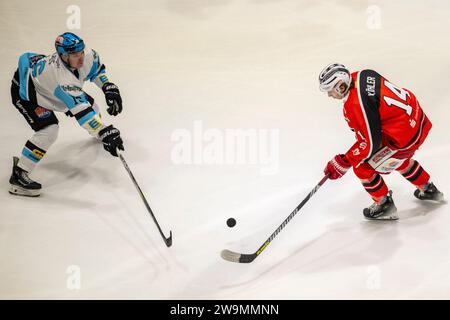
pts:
[331, 74]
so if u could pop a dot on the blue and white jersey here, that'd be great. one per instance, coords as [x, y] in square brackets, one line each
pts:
[55, 87]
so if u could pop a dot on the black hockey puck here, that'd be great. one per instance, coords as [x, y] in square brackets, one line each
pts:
[231, 222]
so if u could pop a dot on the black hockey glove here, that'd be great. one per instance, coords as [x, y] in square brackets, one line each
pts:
[111, 139]
[113, 98]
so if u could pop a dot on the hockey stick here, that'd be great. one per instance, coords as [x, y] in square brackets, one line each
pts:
[247, 258]
[168, 240]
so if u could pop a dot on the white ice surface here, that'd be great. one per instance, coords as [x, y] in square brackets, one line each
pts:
[233, 65]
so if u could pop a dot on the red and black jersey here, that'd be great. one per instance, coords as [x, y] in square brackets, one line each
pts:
[381, 113]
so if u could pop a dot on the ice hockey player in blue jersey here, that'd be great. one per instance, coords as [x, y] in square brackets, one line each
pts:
[43, 85]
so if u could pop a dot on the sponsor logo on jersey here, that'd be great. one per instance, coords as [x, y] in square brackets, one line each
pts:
[24, 111]
[392, 164]
[39, 154]
[370, 86]
[35, 59]
[54, 59]
[103, 79]
[94, 124]
[71, 88]
[389, 166]
[42, 112]
[381, 154]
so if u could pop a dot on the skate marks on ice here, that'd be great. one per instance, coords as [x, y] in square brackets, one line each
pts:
[340, 243]
[80, 168]
[339, 248]
[336, 249]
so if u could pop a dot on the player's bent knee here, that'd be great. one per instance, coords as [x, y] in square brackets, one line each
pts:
[47, 136]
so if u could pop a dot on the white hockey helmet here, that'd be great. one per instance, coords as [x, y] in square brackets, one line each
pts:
[332, 74]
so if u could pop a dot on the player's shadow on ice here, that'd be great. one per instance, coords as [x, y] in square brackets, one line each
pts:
[365, 244]
[421, 210]
[337, 248]
[72, 167]
[69, 160]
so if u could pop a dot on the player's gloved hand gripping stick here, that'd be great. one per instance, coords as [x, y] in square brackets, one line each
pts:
[112, 142]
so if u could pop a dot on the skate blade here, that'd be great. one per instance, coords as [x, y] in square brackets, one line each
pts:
[386, 217]
[19, 191]
[438, 198]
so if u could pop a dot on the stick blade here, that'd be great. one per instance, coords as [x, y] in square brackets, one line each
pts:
[168, 240]
[232, 256]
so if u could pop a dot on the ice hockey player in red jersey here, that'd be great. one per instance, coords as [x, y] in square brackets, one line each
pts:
[389, 127]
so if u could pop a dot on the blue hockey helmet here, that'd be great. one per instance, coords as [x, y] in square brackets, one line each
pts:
[68, 43]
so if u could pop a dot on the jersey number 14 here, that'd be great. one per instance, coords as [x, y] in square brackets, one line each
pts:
[402, 94]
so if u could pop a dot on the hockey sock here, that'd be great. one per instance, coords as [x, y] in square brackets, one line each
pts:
[31, 155]
[36, 147]
[414, 173]
[375, 187]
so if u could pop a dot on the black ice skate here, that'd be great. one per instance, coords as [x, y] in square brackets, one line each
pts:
[21, 184]
[430, 193]
[385, 210]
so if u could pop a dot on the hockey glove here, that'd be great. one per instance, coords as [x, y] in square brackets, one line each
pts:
[113, 98]
[337, 167]
[111, 139]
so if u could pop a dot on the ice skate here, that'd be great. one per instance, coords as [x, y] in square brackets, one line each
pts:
[430, 193]
[385, 210]
[21, 184]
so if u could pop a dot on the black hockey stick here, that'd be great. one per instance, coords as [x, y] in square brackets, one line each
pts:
[247, 258]
[168, 240]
